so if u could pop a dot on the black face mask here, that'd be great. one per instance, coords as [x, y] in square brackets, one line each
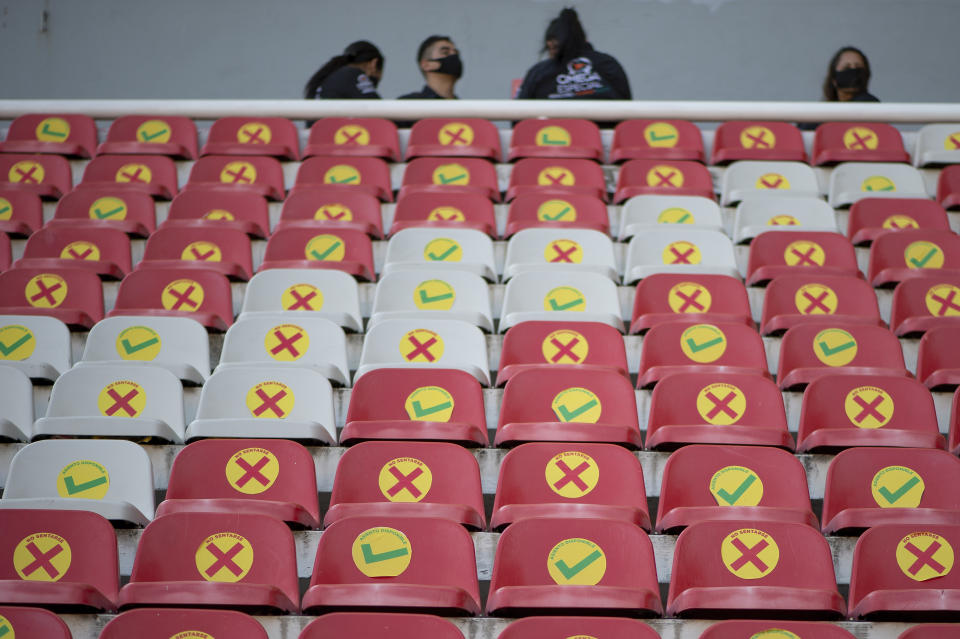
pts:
[449, 65]
[855, 78]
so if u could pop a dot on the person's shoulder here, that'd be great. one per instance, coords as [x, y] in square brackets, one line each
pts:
[345, 72]
[865, 97]
[601, 57]
[542, 67]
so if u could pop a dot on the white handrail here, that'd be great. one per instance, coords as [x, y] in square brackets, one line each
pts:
[602, 110]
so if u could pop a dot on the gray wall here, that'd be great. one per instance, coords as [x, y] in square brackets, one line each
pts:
[671, 49]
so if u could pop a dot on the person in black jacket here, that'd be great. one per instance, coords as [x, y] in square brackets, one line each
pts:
[847, 77]
[574, 70]
[440, 64]
[353, 74]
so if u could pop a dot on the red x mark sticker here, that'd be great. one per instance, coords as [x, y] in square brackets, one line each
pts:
[46, 290]
[572, 474]
[224, 557]
[923, 556]
[26, 172]
[42, 556]
[749, 553]
[254, 133]
[665, 176]
[140, 173]
[202, 251]
[757, 137]
[563, 252]
[804, 253]
[270, 403]
[286, 342]
[555, 176]
[301, 297]
[721, 404]
[868, 407]
[421, 345]
[456, 134]
[565, 346]
[816, 299]
[122, 399]
[941, 300]
[405, 480]
[238, 173]
[681, 252]
[860, 138]
[182, 295]
[252, 471]
[80, 250]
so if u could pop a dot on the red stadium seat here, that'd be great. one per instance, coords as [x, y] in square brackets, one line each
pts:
[840, 411]
[21, 212]
[61, 559]
[373, 625]
[548, 210]
[413, 404]
[396, 563]
[408, 479]
[873, 216]
[600, 565]
[810, 351]
[568, 405]
[32, 622]
[448, 175]
[155, 623]
[5, 252]
[792, 300]
[155, 175]
[663, 177]
[446, 137]
[873, 486]
[812, 253]
[558, 176]
[931, 631]
[775, 630]
[656, 140]
[774, 569]
[716, 408]
[48, 176]
[751, 140]
[722, 347]
[259, 174]
[223, 250]
[274, 477]
[253, 136]
[924, 302]
[705, 483]
[954, 437]
[104, 251]
[200, 294]
[73, 296]
[897, 256]
[444, 210]
[948, 188]
[570, 481]
[693, 298]
[574, 346]
[365, 137]
[937, 365]
[210, 560]
[220, 208]
[173, 135]
[558, 627]
[62, 134]
[345, 250]
[836, 142]
[365, 174]
[108, 207]
[905, 572]
[555, 138]
[332, 207]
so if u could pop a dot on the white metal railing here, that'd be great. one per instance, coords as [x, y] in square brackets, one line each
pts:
[603, 110]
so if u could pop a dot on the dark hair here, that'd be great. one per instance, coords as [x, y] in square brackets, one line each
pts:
[569, 35]
[829, 89]
[359, 51]
[429, 42]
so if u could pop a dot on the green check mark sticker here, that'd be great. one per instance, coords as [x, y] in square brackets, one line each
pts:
[897, 487]
[576, 561]
[4, 630]
[103, 215]
[557, 216]
[49, 131]
[376, 557]
[434, 295]
[923, 254]
[440, 254]
[554, 305]
[382, 551]
[564, 298]
[892, 497]
[140, 343]
[420, 411]
[571, 571]
[731, 498]
[7, 349]
[73, 487]
[322, 256]
[578, 405]
[450, 180]
[835, 347]
[833, 350]
[133, 348]
[696, 348]
[703, 343]
[325, 248]
[147, 137]
[736, 486]
[429, 403]
[83, 478]
[4, 211]
[926, 258]
[660, 138]
[16, 342]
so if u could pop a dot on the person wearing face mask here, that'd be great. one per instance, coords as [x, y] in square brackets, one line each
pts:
[354, 73]
[441, 67]
[848, 76]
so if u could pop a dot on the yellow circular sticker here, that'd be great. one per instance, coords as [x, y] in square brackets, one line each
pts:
[421, 345]
[681, 252]
[564, 298]
[923, 556]
[878, 183]
[202, 251]
[154, 132]
[897, 487]
[191, 634]
[451, 174]
[26, 172]
[563, 252]
[351, 134]
[429, 404]
[675, 215]
[556, 211]
[556, 176]
[565, 346]
[53, 130]
[661, 135]
[6, 628]
[553, 136]
[83, 479]
[254, 133]
[405, 480]
[835, 347]
[689, 297]
[900, 221]
[923, 254]
[286, 342]
[783, 220]
[134, 173]
[860, 138]
[666, 176]
[775, 633]
[576, 561]
[273, 400]
[446, 214]
[757, 137]
[182, 295]
[443, 249]
[6, 209]
[325, 248]
[572, 474]
[139, 343]
[252, 471]
[46, 290]
[42, 556]
[122, 398]
[736, 486]
[224, 557]
[749, 553]
[301, 297]
[455, 134]
[335, 212]
[80, 250]
[868, 407]
[804, 253]
[108, 208]
[434, 295]
[952, 141]
[703, 343]
[238, 173]
[815, 299]
[773, 181]
[942, 301]
[721, 404]
[577, 405]
[381, 552]
[17, 342]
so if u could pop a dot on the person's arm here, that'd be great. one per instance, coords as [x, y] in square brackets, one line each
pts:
[529, 86]
[613, 73]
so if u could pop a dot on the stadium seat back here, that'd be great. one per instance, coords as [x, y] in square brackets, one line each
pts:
[259, 174]
[73, 296]
[63, 134]
[155, 175]
[173, 135]
[276, 137]
[200, 294]
[371, 137]
[555, 138]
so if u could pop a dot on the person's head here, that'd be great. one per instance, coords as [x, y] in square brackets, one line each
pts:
[361, 54]
[848, 74]
[565, 38]
[438, 54]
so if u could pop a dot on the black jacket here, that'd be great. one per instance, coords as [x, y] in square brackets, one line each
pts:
[347, 83]
[590, 76]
